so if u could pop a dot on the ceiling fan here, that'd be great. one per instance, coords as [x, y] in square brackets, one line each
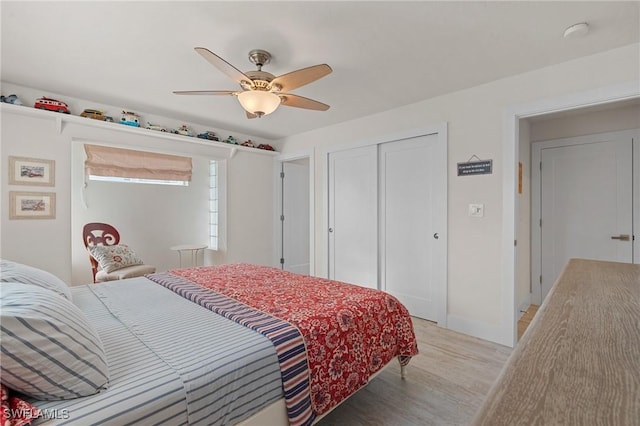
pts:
[262, 92]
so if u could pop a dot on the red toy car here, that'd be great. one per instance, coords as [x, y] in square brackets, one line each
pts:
[51, 105]
[266, 146]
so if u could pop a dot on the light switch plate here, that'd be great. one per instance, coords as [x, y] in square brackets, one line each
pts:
[476, 210]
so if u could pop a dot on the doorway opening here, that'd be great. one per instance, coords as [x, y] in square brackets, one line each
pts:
[294, 239]
[517, 282]
[582, 201]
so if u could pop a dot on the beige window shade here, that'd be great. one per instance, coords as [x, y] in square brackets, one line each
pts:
[127, 163]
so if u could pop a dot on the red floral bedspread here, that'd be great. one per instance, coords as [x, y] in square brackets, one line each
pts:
[15, 411]
[350, 331]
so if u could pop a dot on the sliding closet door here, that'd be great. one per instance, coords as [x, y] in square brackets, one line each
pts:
[409, 202]
[388, 221]
[353, 216]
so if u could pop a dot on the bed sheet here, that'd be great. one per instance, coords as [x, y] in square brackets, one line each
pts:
[171, 361]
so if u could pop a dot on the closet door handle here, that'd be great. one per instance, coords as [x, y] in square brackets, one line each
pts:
[621, 237]
[330, 230]
[436, 236]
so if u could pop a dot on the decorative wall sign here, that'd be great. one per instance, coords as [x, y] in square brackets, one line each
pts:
[31, 171]
[519, 178]
[32, 205]
[479, 167]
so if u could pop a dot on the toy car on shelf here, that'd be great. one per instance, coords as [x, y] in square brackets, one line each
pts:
[156, 127]
[130, 119]
[266, 146]
[183, 130]
[209, 135]
[11, 99]
[51, 105]
[249, 143]
[96, 115]
[231, 140]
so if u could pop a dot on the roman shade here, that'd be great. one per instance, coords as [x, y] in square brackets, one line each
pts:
[127, 163]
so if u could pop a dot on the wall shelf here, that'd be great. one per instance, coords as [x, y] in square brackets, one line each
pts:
[61, 120]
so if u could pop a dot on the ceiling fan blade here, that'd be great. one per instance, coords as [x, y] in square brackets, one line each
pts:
[224, 66]
[301, 102]
[303, 76]
[205, 92]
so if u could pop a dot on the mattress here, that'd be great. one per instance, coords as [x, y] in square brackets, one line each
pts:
[171, 361]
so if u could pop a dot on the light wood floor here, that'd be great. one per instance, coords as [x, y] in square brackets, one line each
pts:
[445, 384]
[526, 318]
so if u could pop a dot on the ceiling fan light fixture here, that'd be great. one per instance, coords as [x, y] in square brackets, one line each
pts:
[259, 102]
[262, 92]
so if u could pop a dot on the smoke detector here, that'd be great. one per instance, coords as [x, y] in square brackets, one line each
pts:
[576, 30]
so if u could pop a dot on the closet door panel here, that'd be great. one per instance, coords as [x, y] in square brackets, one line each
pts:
[407, 207]
[353, 216]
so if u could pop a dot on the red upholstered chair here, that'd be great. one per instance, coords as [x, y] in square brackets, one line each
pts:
[103, 234]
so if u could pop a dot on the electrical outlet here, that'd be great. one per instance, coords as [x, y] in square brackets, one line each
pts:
[476, 210]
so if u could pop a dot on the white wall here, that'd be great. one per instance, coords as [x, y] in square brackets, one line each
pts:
[476, 120]
[49, 244]
[626, 117]
[250, 209]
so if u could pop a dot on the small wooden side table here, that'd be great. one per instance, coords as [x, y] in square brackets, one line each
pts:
[193, 249]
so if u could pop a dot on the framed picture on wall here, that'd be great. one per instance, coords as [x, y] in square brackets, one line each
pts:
[32, 205]
[32, 171]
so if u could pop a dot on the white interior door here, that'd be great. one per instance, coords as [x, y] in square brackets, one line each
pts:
[295, 216]
[586, 203]
[353, 216]
[409, 205]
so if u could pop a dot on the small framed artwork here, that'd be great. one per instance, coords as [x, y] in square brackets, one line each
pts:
[31, 171]
[32, 205]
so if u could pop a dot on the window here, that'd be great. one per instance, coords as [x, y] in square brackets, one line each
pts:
[213, 205]
[136, 180]
[126, 165]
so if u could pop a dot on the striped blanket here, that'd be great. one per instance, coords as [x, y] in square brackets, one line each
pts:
[349, 332]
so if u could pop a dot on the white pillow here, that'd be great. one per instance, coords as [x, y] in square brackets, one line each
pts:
[112, 258]
[19, 273]
[49, 349]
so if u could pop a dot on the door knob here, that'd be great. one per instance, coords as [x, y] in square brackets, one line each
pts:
[621, 237]
[330, 229]
[436, 236]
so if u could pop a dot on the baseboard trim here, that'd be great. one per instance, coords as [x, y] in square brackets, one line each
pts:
[480, 330]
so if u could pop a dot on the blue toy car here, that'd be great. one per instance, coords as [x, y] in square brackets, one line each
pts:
[11, 99]
[130, 119]
[209, 135]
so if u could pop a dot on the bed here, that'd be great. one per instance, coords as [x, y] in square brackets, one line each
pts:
[231, 344]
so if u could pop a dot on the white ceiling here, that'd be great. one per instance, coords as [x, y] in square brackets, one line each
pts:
[384, 54]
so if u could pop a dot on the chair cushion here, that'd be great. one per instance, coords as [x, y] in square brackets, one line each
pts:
[18, 273]
[128, 272]
[112, 258]
[50, 351]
